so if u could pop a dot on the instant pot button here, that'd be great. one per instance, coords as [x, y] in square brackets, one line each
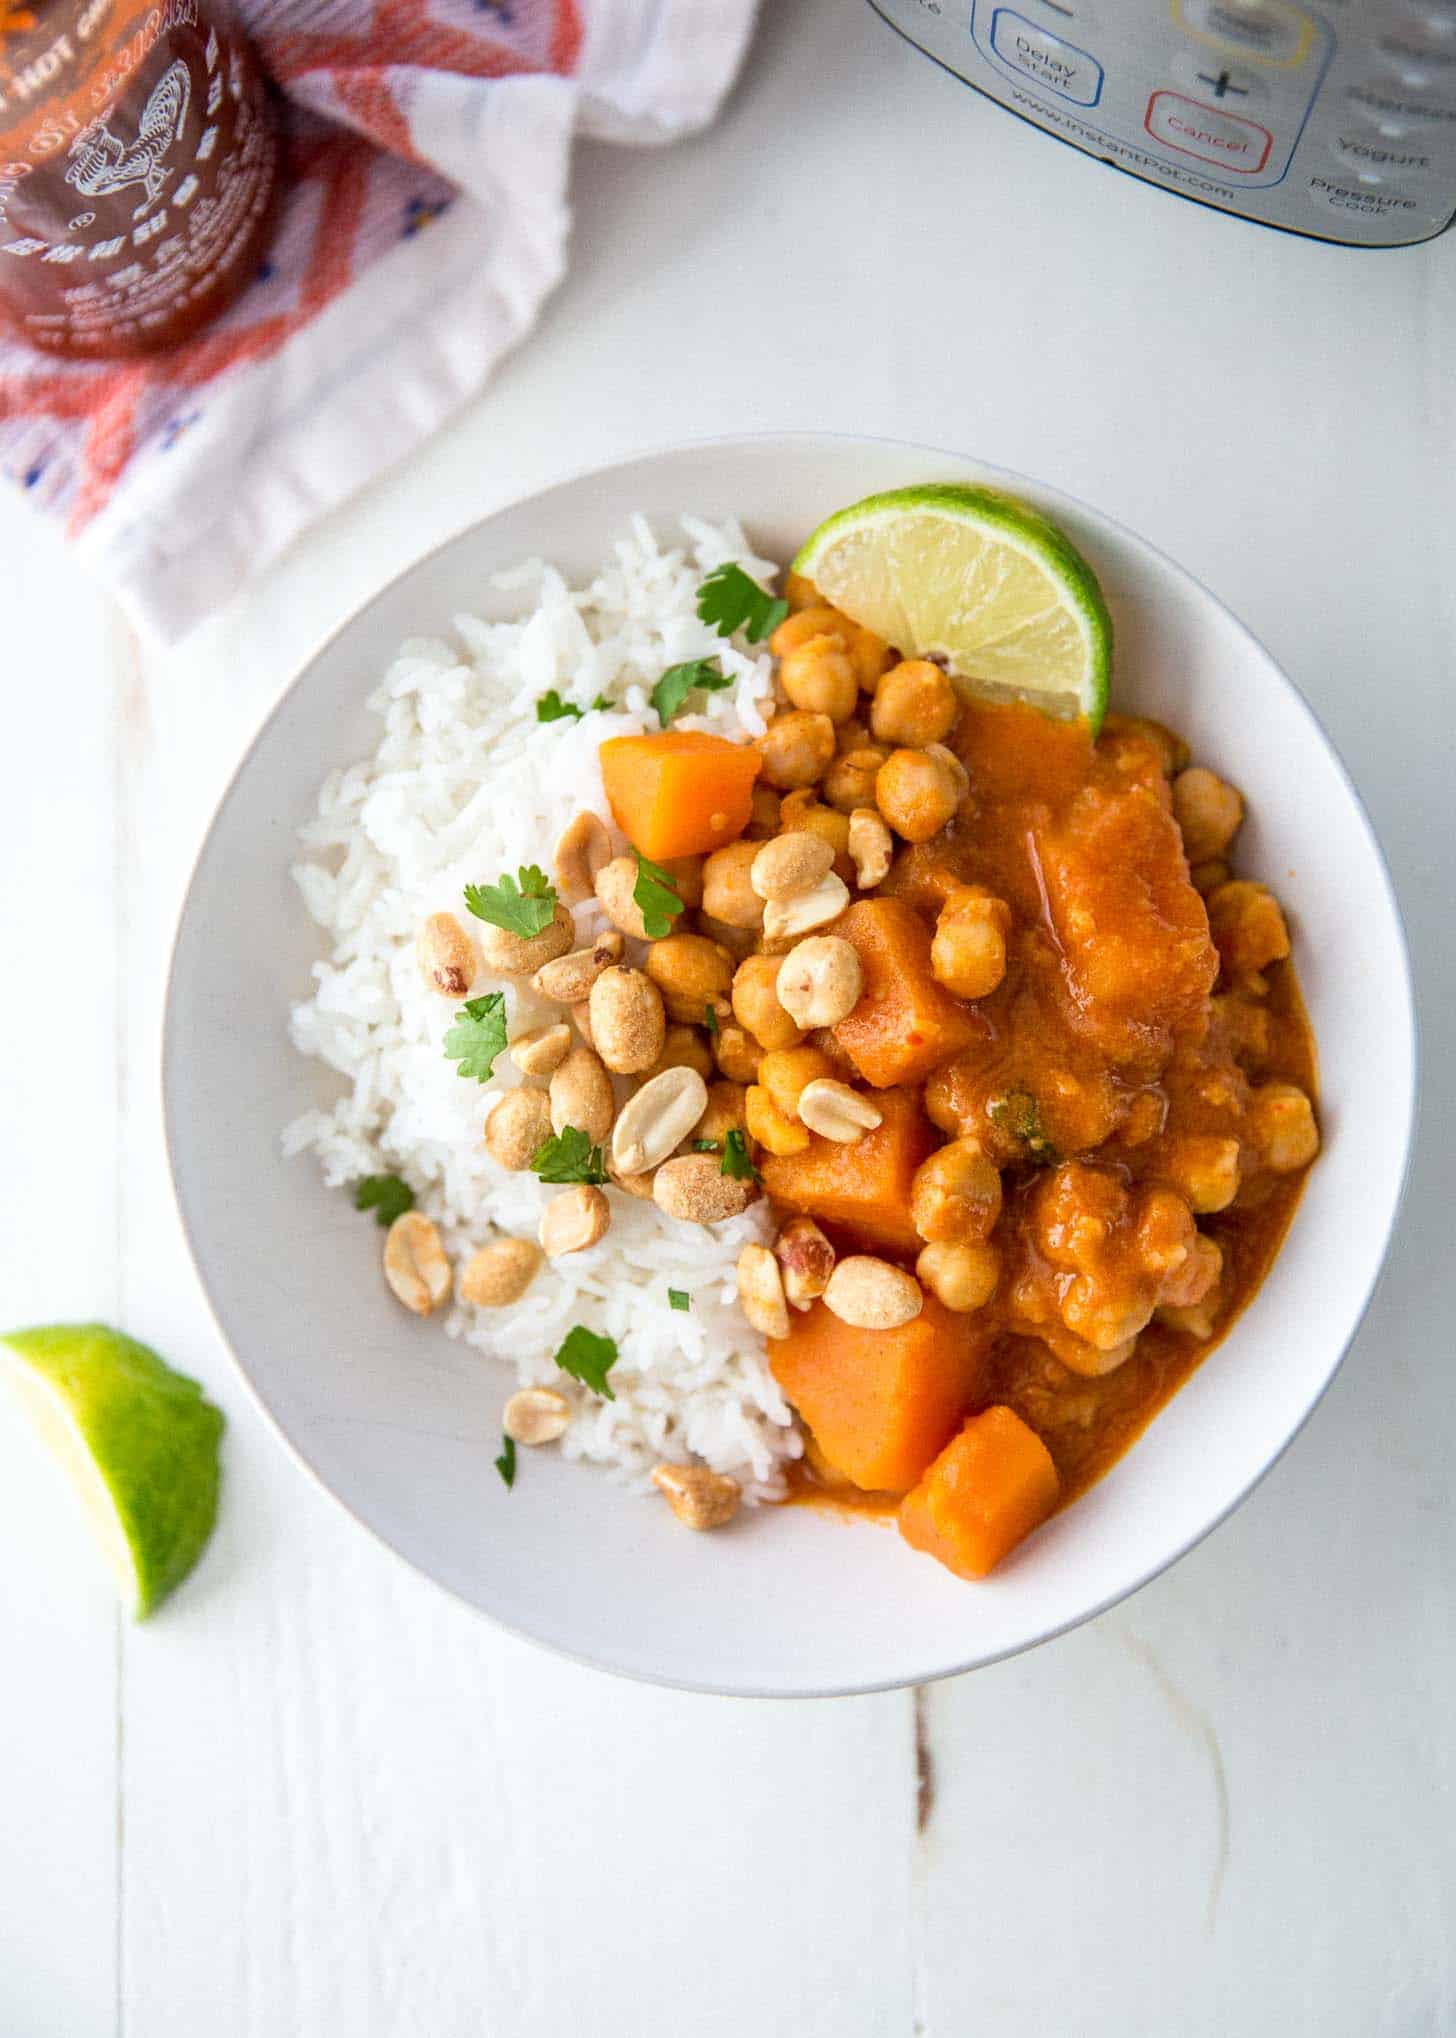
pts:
[1272, 31]
[1349, 195]
[1045, 58]
[1209, 133]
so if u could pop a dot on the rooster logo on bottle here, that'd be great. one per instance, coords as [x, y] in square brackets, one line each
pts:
[104, 164]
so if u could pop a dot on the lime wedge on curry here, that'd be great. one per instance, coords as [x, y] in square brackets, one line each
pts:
[977, 580]
[138, 1442]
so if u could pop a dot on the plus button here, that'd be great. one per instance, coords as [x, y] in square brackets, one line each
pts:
[1222, 86]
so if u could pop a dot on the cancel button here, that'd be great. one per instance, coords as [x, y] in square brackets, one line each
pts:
[1208, 132]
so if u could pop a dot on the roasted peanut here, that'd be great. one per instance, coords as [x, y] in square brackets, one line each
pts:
[955, 1195]
[806, 1259]
[699, 1498]
[773, 1130]
[761, 1291]
[693, 1189]
[797, 749]
[818, 676]
[786, 1072]
[581, 1094]
[446, 955]
[574, 1220]
[658, 1119]
[415, 1265]
[692, 973]
[500, 1273]
[850, 780]
[968, 954]
[819, 982]
[518, 955]
[871, 1294]
[916, 793]
[835, 1111]
[789, 864]
[581, 1020]
[627, 1022]
[736, 1052]
[583, 852]
[683, 1047]
[914, 704]
[961, 1277]
[870, 847]
[536, 1415]
[616, 882]
[788, 919]
[569, 979]
[1208, 811]
[543, 1049]
[723, 1113]
[728, 893]
[517, 1124]
[756, 1004]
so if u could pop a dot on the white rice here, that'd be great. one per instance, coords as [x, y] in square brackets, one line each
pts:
[465, 784]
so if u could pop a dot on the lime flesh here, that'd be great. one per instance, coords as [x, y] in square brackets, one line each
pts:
[138, 1442]
[978, 580]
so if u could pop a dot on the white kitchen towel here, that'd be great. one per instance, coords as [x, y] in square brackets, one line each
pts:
[425, 221]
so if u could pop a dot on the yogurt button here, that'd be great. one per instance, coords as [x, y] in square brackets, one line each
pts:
[1372, 156]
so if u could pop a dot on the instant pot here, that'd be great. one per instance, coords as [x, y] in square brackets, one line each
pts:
[1337, 122]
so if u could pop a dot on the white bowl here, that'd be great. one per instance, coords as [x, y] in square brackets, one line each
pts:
[401, 1423]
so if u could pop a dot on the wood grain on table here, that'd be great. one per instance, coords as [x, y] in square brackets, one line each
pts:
[316, 1797]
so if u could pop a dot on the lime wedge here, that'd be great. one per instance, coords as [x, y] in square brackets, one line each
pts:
[978, 580]
[138, 1442]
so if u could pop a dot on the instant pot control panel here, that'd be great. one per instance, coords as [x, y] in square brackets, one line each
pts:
[1337, 121]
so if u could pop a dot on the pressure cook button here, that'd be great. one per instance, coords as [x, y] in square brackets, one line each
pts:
[1338, 195]
[1209, 133]
[1270, 30]
[1046, 58]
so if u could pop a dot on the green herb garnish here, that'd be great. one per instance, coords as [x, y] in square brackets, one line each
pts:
[655, 897]
[386, 1195]
[523, 908]
[710, 1020]
[478, 1035]
[678, 1298]
[588, 1358]
[552, 708]
[730, 599]
[705, 1146]
[568, 1157]
[505, 1464]
[699, 675]
[1018, 1115]
[735, 1160]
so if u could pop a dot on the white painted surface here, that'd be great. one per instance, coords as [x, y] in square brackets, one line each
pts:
[314, 1797]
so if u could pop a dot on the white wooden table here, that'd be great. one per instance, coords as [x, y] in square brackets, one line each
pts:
[316, 1797]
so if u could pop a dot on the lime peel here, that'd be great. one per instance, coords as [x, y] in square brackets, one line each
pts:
[138, 1441]
[978, 580]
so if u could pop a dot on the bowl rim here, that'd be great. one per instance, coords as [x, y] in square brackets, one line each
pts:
[793, 440]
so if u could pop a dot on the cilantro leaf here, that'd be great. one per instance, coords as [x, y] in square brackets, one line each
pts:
[523, 908]
[678, 1298]
[1018, 1115]
[710, 1020]
[735, 1159]
[588, 1358]
[568, 1157]
[705, 1146]
[655, 897]
[478, 1035]
[505, 1464]
[552, 708]
[702, 675]
[386, 1195]
[731, 599]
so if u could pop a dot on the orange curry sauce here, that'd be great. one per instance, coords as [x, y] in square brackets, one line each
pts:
[1123, 1057]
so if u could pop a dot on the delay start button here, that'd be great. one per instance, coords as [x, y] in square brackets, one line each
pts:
[1209, 133]
[1046, 58]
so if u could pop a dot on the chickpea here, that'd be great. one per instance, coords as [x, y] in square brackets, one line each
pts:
[955, 1197]
[914, 704]
[1247, 926]
[1205, 1170]
[1135, 737]
[828, 823]
[756, 1004]
[737, 1053]
[683, 1047]
[818, 677]
[1208, 811]
[850, 735]
[1282, 1127]
[871, 657]
[1207, 877]
[771, 1128]
[686, 873]
[817, 620]
[916, 794]
[962, 1277]
[801, 593]
[725, 1112]
[788, 1071]
[850, 780]
[728, 893]
[763, 818]
[692, 973]
[796, 749]
[968, 954]
[739, 941]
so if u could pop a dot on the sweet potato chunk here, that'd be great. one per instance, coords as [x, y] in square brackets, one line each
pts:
[679, 792]
[990, 1487]
[905, 1023]
[864, 1187]
[881, 1403]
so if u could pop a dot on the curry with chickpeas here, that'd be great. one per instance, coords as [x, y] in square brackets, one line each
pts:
[1020, 1060]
